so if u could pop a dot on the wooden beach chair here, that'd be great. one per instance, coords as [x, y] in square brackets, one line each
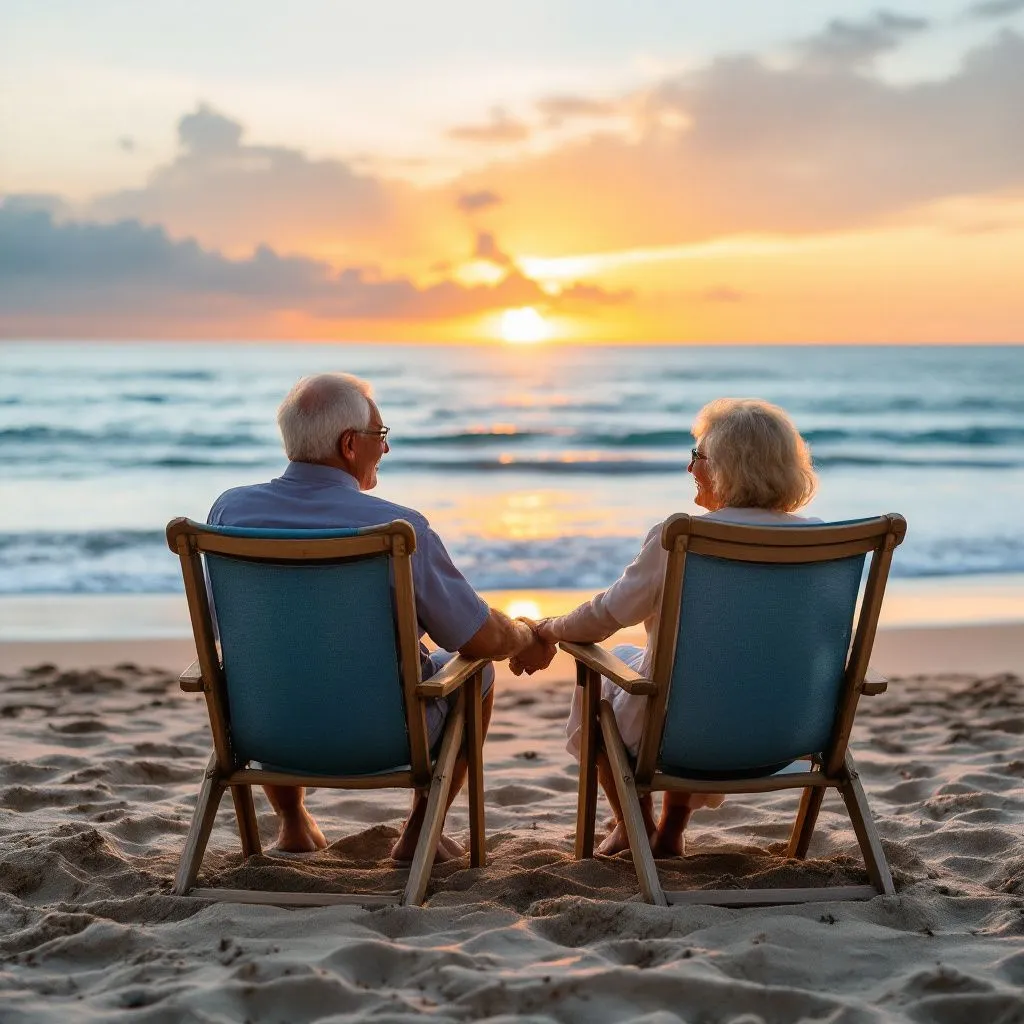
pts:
[313, 672]
[761, 660]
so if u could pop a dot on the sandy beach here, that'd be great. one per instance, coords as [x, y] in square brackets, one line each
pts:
[99, 766]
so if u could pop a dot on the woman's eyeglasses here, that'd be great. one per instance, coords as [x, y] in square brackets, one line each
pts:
[696, 454]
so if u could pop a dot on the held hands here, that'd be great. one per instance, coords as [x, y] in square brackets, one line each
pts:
[545, 632]
[534, 657]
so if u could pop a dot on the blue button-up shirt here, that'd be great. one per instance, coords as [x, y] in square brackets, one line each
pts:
[313, 497]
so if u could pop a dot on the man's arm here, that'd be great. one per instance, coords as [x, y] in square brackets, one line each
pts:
[501, 637]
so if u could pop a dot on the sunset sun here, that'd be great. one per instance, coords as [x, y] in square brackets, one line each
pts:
[524, 326]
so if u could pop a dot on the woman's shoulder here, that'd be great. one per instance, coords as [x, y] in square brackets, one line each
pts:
[761, 517]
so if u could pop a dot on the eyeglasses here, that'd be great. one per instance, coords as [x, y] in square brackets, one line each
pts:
[696, 455]
[381, 434]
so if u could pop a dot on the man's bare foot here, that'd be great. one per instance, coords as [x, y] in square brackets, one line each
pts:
[669, 844]
[300, 834]
[405, 849]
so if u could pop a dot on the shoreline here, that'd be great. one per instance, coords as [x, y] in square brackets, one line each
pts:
[916, 602]
[980, 649]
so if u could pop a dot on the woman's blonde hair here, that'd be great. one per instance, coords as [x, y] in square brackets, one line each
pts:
[756, 456]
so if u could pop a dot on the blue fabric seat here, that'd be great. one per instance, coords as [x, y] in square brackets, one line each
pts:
[309, 660]
[762, 657]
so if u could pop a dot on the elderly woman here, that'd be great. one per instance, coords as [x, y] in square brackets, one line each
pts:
[750, 465]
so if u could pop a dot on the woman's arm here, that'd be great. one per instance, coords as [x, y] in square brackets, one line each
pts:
[629, 600]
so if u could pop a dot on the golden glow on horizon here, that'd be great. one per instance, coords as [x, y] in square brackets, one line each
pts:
[524, 326]
[528, 609]
[562, 268]
[479, 272]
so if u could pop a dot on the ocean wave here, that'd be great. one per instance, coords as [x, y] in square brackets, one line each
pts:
[115, 436]
[823, 440]
[138, 561]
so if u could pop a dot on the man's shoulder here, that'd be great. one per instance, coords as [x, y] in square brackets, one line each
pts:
[235, 497]
[273, 503]
[391, 510]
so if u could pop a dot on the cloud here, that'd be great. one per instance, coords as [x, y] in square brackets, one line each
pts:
[558, 109]
[49, 270]
[995, 9]
[850, 43]
[28, 202]
[471, 202]
[487, 249]
[766, 148]
[500, 129]
[205, 131]
[232, 194]
[582, 296]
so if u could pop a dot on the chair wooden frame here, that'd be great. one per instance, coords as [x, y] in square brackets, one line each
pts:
[463, 726]
[682, 535]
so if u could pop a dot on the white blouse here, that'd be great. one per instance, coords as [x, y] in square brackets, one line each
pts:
[636, 597]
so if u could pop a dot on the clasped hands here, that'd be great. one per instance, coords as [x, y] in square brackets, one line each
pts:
[537, 655]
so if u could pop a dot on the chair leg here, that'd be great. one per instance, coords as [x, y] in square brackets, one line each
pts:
[210, 794]
[864, 826]
[807, 816]
[437, 802]
[475, 763]
[586, 805]
[639, 841]
[245, 813]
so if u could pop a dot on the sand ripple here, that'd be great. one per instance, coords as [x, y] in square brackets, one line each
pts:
[98, 774]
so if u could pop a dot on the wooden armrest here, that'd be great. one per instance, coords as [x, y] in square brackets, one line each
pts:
[874, 683]
[600, 660]
[451, 677]
[191, 680]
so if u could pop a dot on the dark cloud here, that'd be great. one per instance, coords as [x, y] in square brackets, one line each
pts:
[230, 193]
[500, 129]
[50, 270]
[850, 43]
[471, 202]
[28, 202]
[995, 9]
[207, 131]
[558, 109]
[487, 249]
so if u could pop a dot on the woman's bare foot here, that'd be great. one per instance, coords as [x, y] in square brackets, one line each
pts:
[452, 847]
[299, 833]
[405, 849]
[668, 844]
[670, 839]
[617, 840]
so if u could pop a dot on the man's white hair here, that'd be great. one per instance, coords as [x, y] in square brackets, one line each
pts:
[318, 410]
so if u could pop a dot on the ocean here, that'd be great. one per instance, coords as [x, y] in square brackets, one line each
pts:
[540, 467]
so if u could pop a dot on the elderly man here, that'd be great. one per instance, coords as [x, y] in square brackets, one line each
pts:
[334, 439]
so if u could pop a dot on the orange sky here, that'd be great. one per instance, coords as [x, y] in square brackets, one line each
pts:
[780, 196]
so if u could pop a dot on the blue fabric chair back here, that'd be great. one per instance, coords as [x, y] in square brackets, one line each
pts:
[310, 660]
[759, 664]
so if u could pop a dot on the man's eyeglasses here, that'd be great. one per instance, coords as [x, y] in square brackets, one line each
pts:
[381, 434]
[696, 454]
